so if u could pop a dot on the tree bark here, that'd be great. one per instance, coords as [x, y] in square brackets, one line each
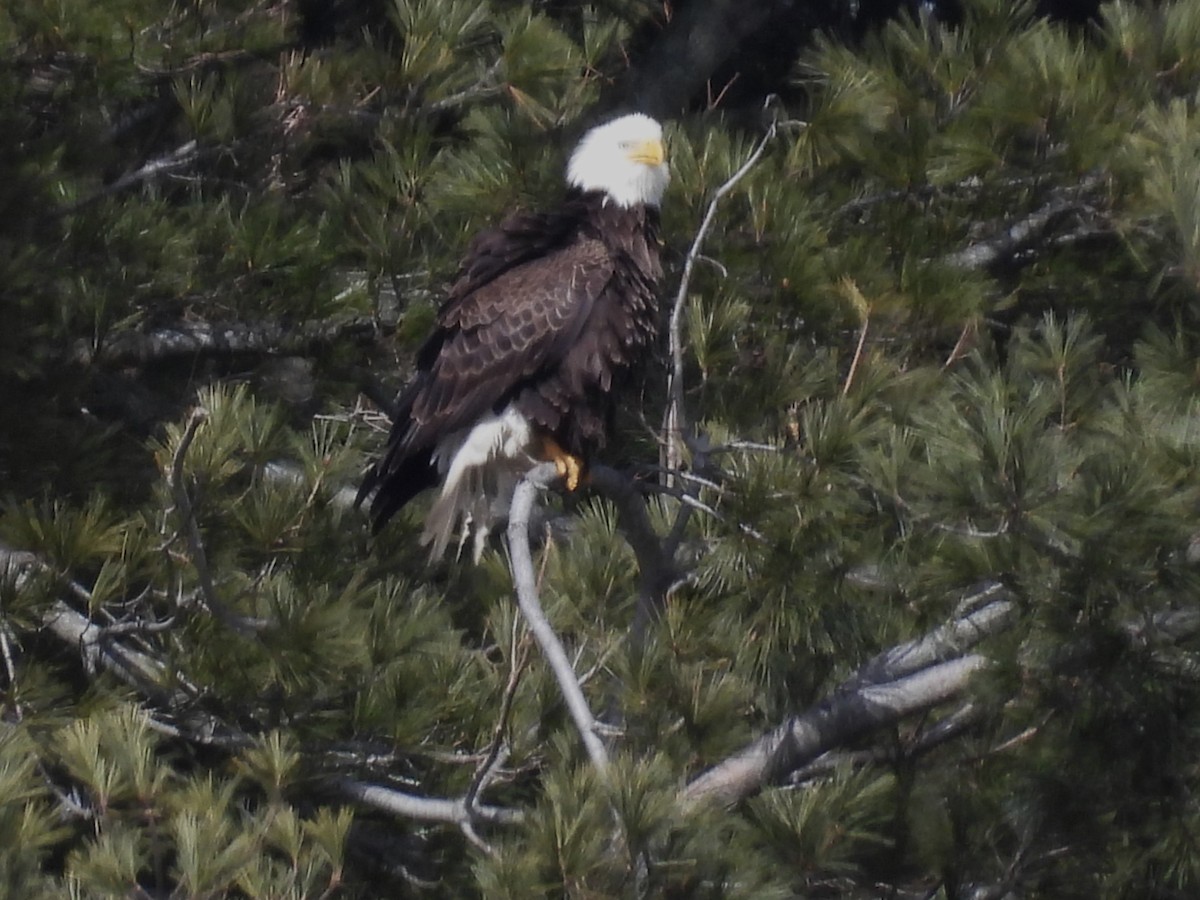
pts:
[916, 675]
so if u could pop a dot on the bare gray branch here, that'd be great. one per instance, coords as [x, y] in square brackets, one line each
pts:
[525, 583]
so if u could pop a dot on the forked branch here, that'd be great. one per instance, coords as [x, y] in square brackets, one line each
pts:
[675, 421]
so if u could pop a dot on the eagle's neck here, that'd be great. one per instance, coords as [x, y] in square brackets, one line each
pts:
[601, 211]
[631, 231]
[605, 200]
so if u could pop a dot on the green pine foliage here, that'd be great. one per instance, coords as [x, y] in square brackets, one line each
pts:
[894, 417]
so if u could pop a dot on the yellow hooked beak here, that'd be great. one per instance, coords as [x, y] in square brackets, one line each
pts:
[649, 152]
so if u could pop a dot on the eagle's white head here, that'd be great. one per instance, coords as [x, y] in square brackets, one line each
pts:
[624, 159]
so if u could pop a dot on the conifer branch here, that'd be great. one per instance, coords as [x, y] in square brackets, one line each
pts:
[60, 619]
[487, 86]
[100, 651]
[150, 676]
[525, 583]
[1022, 233]
[137, 669]
[987, 611]
[1164, 627]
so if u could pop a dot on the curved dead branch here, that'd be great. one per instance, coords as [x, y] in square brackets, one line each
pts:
[525, 583]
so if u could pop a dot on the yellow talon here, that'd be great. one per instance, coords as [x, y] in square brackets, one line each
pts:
[568, 467]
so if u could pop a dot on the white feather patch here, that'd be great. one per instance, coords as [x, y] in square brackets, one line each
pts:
[481, 466]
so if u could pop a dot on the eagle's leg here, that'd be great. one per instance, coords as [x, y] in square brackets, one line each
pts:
[568, 467]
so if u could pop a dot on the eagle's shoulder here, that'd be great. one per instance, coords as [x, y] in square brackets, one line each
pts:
[523, 236]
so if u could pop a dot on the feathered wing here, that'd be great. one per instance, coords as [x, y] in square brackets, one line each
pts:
[522, 297]
[574, 400]
[506, 332]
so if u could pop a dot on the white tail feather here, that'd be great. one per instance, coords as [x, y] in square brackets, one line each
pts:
[481, 466]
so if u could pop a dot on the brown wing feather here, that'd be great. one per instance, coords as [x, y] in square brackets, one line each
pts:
[522, 237]
[622, 323]
[504, 332]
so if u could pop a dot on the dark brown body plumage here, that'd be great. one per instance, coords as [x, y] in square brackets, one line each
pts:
[548, 311]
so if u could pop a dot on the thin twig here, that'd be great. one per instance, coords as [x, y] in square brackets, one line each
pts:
[691, 501]
[601, 663]
[485, 86]
[682, 475]
[497, 751]
[675, 421]
[858, 350]
[960, 346]
[1020, 738]
[525, 582]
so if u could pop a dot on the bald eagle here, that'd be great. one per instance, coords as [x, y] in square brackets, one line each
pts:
[547, 312]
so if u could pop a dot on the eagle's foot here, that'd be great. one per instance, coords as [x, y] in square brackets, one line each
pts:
[568, 467]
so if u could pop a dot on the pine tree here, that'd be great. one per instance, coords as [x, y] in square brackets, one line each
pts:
[904, 604]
